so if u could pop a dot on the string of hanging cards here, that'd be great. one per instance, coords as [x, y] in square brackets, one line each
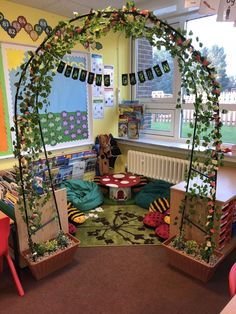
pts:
[131, 77]
[90, 77]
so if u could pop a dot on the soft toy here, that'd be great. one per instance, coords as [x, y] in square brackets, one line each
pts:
[160, 221]
[104, 154]
[163, 231]
[161, 204]
[107, 152]
[103, 149]
[75, 216]
[153, 219]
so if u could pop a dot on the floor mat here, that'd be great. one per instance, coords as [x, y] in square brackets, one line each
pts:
[116, 225]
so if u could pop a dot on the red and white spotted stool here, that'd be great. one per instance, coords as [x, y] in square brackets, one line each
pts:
[120, 185]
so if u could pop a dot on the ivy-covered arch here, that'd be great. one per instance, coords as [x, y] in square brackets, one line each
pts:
[198, 78]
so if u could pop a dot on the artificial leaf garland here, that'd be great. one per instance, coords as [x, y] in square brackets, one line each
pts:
[91, 27]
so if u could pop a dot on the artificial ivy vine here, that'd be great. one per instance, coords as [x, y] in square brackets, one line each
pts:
[198, 78]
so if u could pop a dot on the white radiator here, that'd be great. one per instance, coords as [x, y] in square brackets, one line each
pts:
[157, 166]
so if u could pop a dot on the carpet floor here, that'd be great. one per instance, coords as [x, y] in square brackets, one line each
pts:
[117, 280]
[117, 226]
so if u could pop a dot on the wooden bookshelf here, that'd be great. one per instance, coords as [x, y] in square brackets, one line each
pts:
[226, 201]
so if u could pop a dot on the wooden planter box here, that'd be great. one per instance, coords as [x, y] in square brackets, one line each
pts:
[189, 265]
[54, 262]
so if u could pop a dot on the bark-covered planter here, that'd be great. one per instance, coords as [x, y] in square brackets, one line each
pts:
[188, 264]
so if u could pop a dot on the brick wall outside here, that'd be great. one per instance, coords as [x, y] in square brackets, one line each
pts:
[144, 61]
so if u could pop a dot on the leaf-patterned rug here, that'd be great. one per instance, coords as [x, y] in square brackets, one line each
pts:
[116, 225]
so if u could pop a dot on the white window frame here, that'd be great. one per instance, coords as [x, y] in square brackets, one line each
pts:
[170, 103]
[159, 132]
[161, 104]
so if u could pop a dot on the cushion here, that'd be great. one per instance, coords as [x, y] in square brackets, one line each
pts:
[143, 181]
[83, 195]
[161, 204]
[167, 219]
[75, 216]
[72, 229]
[152, 191]
[162, 231]
[153, 219]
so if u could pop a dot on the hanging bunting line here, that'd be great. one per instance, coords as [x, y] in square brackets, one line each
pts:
[90, 77]
[132, 77]
[83, 75]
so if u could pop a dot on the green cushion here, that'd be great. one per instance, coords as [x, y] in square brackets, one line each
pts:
[84, 195]
[152, 191]
[8, 210]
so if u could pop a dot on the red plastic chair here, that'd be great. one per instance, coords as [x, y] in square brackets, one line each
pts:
[4, 251]
[232, 280]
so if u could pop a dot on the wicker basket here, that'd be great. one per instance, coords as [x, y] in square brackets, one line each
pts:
[54, 262]
[189, 265]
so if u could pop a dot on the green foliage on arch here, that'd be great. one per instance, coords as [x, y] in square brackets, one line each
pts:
[198, 78]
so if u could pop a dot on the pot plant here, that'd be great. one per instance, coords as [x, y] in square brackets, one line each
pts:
[51, 255]
[33, 89]
[200, 258]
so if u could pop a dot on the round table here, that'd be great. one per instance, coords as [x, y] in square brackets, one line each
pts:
[120, 185]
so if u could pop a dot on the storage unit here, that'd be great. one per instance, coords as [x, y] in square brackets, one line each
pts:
[225, 225]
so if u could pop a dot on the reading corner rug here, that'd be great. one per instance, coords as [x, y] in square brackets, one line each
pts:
[116, 225]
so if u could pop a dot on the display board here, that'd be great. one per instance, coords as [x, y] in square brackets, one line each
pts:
[5, 142]
[66, 124]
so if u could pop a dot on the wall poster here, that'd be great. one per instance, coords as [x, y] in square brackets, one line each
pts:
[109, 91]
[97, 91]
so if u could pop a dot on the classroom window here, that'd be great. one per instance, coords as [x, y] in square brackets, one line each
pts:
[158, 121]
[219, 48]
[147, 57]
[161, 93]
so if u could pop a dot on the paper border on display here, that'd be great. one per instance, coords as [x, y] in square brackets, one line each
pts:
[226, 11]
[209, 7]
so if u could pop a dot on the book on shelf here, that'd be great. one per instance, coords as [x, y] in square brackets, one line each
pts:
[130, 119]
[133, 129]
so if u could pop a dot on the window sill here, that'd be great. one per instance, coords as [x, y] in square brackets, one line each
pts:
[154, 144]
[169, 146]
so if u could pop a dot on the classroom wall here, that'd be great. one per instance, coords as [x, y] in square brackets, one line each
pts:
[115, 52]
